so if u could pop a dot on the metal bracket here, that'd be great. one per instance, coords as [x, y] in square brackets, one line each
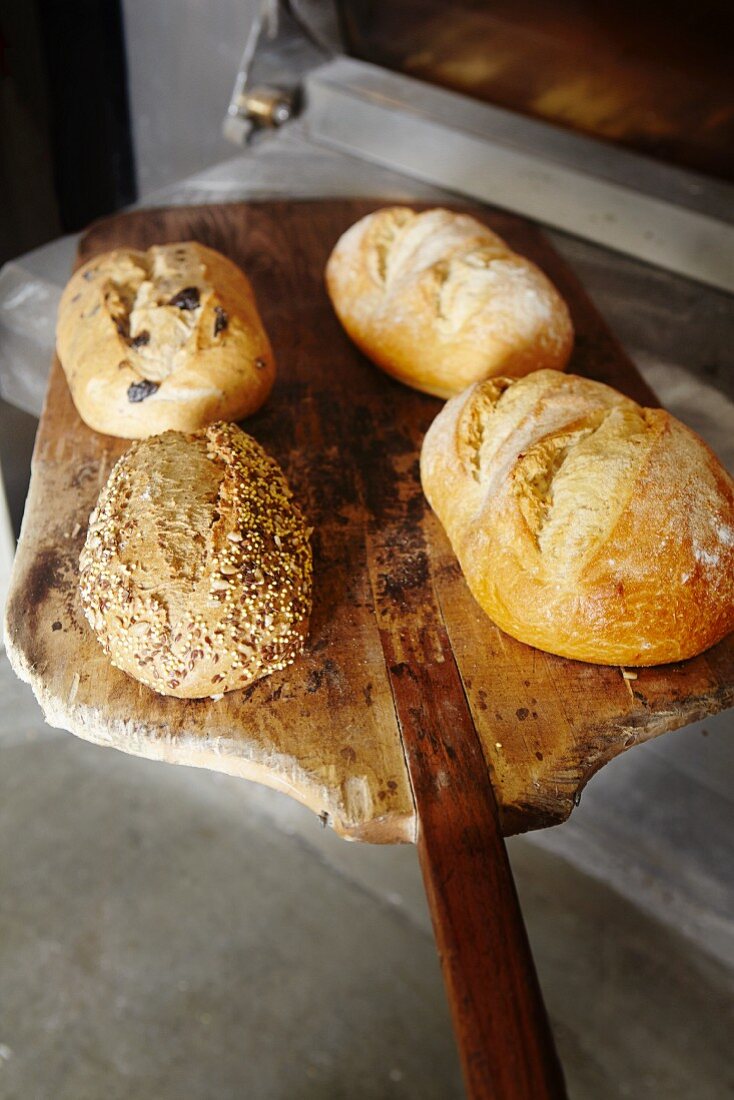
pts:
[279, 51]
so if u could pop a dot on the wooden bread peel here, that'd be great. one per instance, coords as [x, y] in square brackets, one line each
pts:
[410, 717]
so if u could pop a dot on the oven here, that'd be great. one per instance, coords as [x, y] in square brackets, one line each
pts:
[613, 122]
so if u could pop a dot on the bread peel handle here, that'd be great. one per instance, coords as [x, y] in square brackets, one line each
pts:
[501, 1025]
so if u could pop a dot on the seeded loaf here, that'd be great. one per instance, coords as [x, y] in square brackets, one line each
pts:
[196, 570]
[585, 525]
[439, 301]
[164, 339]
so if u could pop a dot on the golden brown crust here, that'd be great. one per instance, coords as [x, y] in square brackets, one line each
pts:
[439, 301]
[164, 339]
[585, 525]
[196, 570]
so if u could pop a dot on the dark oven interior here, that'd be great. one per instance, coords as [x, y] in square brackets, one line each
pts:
[652, 75]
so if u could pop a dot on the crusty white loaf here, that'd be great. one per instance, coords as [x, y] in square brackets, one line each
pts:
[439, 301]
[164, 339]
[585, 525]
[196, 570]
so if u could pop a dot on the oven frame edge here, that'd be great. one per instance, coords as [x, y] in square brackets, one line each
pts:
[663, 215]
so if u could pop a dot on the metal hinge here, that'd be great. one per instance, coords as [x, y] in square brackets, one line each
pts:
[280, 49]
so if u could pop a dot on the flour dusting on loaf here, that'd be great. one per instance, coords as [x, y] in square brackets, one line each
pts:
[196, 570]
[585, 524]
[440, 301]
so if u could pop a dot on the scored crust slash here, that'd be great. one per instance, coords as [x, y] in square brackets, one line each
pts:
[585, 525]
[439, 301]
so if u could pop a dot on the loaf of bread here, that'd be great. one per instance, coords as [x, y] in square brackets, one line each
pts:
[440, 301]
[585, 524]
[164, 339]
[196, 570]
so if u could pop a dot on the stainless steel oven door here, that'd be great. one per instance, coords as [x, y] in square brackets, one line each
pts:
[664, 215]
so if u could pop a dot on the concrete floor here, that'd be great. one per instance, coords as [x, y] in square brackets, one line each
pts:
[169, 933]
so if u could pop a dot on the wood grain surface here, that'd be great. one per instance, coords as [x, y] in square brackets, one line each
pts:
[391, 608]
